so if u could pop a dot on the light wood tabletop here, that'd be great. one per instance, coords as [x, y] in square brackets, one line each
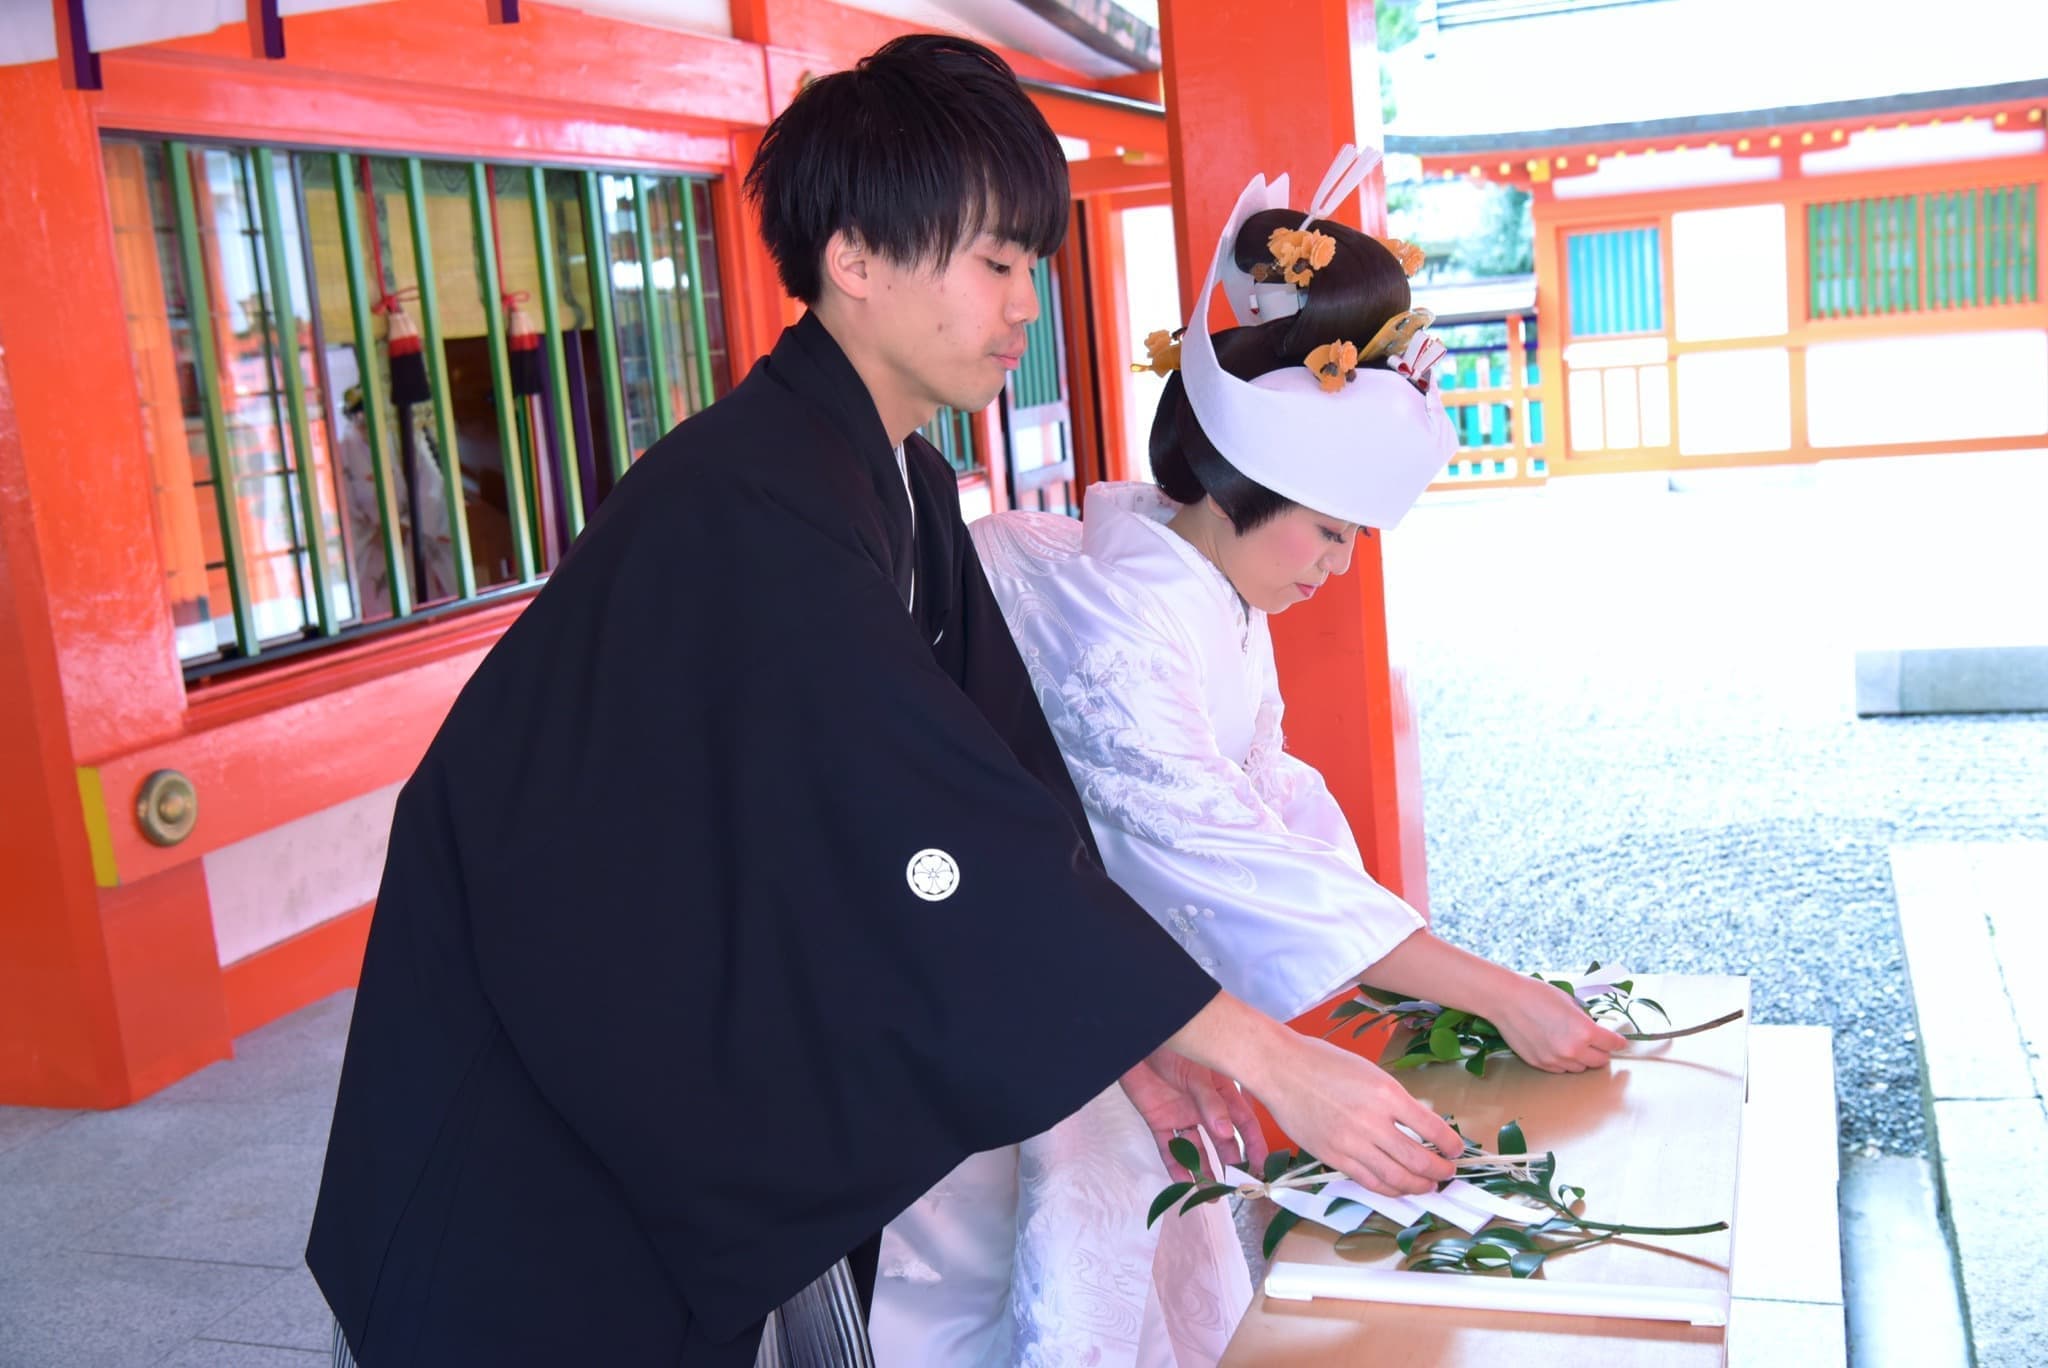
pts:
[1653, 1140]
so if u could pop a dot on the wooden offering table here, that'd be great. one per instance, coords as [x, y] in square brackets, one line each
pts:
[1653, 1140]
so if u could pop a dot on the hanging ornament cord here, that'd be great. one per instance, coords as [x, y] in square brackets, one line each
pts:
[408, 379]
[523, 355]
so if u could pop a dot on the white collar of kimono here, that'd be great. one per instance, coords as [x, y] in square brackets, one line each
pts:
[1364, 453]
[1125, 521]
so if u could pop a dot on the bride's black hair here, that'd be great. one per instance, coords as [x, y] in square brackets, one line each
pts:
[1361, 288]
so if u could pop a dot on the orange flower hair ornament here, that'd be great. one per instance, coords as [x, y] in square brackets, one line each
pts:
[1407, 253]
[1298, 253]
[1334, 365]
[1163, 348]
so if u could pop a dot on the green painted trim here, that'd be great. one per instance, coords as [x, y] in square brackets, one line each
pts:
[372, 380]
[514, 457]
[597, 255]
[281, 307]
[657, 336]
[192, 258]
[563, 438]
[700, 325]
[437, 381]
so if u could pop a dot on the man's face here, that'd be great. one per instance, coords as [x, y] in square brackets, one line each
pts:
[949, 335]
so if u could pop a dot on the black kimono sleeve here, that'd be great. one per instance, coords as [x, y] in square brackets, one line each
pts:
[716, 964]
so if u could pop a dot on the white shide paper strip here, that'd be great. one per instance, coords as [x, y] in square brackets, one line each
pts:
[1460, 1203]
[1305, 1282]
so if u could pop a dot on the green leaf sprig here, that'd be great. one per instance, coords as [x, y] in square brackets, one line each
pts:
[1445, 1035]
[1432, 1245]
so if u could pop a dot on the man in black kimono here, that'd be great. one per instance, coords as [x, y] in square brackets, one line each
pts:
[744, 892]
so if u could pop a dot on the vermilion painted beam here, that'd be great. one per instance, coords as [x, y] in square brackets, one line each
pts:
[1117, 175]
[266, 30]
[81, 65]
[291, 747]
[549, 57]
[1226, 119]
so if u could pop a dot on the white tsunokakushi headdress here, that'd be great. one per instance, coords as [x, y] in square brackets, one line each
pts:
[1342, 437]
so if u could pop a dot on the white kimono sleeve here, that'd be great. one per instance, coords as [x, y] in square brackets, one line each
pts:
[1261, 882]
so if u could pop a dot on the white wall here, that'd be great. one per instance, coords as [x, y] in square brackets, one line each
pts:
[293, 877]
[1734, 401]
[1728, 272]
[1926, 389]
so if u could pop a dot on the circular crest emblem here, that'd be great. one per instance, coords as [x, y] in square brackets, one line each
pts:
[933, 875]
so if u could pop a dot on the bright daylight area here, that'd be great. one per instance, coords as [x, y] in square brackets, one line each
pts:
[491, 881]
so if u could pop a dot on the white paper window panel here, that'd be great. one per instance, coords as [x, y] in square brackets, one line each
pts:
[1151, 302]
[690, 16]
[1655, 405]
[1622, 433]
[1728, 272]
[1734, 401]
[1927, 389]
[1922, 145]
[280, 882]
[1622, 351]
[1585, 397]
[977, 500]
[1667, 170]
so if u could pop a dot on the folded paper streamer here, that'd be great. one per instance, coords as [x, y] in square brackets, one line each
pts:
[1305, 1282]
[1459, 1203]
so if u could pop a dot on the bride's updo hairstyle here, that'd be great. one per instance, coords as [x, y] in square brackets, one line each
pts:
[1348, 300]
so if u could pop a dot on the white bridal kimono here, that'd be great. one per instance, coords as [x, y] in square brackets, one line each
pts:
[1161, 690]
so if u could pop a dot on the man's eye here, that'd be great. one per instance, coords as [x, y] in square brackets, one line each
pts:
[998, 267]
[1337, 537]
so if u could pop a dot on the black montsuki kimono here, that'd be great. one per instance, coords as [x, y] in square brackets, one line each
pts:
[653, 1027]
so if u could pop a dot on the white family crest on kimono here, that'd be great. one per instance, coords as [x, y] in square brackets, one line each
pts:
[1161, 690]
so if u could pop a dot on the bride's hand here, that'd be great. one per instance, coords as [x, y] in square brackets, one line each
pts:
[1548, 1029]
[1175, 1095]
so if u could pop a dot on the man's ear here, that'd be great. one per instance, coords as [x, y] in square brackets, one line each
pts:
[845, 265]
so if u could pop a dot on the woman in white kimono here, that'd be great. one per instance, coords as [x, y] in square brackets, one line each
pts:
[1144, 628]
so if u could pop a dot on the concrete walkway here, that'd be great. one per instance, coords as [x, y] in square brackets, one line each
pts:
[173, 1232]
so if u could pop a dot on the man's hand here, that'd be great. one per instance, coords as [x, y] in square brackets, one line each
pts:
[1174, 1094]
[1347, 1112]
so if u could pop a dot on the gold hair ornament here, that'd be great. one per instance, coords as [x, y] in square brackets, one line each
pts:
[1395, 334]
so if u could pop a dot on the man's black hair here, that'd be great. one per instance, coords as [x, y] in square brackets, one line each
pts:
[928, 142]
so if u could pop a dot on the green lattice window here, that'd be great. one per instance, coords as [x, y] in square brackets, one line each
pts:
[1909, 253]
[374, 386]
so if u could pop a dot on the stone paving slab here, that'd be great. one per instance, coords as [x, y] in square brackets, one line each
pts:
[1990, 1152]
[2012, 881]
[1899, 1275]
[252, 1205]
[1771, 1334]
[65, 1309]
[1968, 1033]
[205, 1353]
[18, 1125]
[1952, 679]
[1786, 1244]
[288, 1314]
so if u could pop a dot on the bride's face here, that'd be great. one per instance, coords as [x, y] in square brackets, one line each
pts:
[1284, 560]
